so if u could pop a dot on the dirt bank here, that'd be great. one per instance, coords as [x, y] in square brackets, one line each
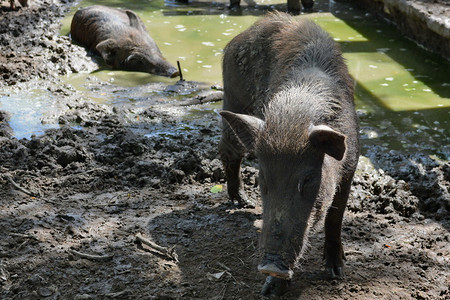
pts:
[31, 47]
[73, 200]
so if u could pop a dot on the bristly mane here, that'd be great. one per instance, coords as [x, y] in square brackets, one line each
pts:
[304, 44]
[309, 71]
[292, 111]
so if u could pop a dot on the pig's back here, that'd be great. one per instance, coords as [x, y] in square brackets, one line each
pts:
[305, 46]
[91, 25]
[247, 63]
[260, 60]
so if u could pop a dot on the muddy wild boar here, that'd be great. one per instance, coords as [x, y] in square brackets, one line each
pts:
[120, 37]
[293, 5]
[288, 98]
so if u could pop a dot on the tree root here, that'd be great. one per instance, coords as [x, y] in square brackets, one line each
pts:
[18, 187]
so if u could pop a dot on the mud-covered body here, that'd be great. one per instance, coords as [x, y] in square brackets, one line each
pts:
[121, 38]
[288, 97]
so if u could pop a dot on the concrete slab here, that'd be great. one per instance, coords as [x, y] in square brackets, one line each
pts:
[425, 21]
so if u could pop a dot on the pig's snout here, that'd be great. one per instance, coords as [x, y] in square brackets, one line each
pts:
[278, 275]
[167, 70]
[174, 73]
[272, 265]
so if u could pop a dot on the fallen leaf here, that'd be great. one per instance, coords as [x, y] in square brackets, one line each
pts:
[215, 276]
[216, 189]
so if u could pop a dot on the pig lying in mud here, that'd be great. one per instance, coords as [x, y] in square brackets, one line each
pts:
[120, 37]
[293, 5]
[288, 98]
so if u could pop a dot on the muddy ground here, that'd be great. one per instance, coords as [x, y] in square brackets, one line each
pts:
[73, 201]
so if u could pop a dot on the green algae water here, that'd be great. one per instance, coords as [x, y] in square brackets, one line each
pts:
[402, 92]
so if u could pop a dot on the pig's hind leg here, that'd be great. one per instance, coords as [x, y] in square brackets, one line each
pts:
[231, 153]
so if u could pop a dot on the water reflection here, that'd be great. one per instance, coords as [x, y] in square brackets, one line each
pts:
[26, 111]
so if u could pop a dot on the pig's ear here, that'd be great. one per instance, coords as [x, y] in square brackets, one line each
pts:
[134, 20]
[107, 50]
[328, 140]
[245, 127]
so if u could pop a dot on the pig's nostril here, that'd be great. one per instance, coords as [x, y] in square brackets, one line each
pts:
[175, 74]
[273, 270]
[272, 265]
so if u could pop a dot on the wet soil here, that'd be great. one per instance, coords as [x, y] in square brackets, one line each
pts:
[75, 202]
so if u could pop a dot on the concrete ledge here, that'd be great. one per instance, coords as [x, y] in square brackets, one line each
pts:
[425, 21]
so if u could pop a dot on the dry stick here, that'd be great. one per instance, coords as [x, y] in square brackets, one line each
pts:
[169, 253]
[179, 70]
[27, 236]
[213, 97]
[223, 292]
[117, 294]
[92, 257]
[18, 187]
[223, 266]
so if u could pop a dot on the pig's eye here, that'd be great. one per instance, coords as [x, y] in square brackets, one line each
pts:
[133, 59]
[304, 183]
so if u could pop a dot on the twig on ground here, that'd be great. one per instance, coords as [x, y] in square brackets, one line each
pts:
[4, 275]
[179, 70]
[212, 97]
[91, 257]
[223, 266]
[27, 236]
[120, 294]
[18, 187]
[168, 253]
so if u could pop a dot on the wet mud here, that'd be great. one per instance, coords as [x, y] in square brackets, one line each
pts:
[76, 201]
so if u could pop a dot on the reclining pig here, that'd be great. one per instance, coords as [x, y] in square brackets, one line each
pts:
[288, 97]
[120, 37]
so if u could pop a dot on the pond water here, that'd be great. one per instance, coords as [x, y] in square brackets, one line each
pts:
[402, 91]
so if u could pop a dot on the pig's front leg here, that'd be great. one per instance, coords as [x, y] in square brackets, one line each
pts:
[231, 154]
[333, 251]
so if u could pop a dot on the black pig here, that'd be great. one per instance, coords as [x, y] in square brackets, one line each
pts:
[120, 37]
[288, 97]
